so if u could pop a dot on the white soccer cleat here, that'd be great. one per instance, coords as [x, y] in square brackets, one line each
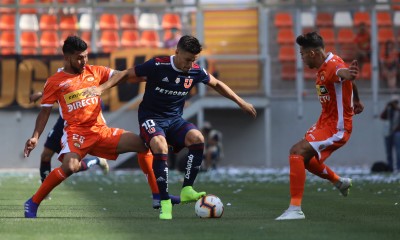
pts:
[291, 215]
[344, 185]
[104, 165]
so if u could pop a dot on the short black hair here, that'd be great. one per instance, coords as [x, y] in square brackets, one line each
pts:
[310, 40]
[73, 44]
[190, 44]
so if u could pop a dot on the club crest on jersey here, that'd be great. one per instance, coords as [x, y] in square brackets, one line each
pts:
[77, 145]
[89, 78]
[177, 80]
[188, 82]
[322, 76]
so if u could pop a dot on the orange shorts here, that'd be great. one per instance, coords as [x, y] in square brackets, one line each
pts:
[100, 141]
[325, 140]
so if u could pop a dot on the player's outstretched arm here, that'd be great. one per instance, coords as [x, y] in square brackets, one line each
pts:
[227, 92]
[41, 122]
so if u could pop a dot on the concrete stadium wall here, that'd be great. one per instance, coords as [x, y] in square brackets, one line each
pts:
[243, 137]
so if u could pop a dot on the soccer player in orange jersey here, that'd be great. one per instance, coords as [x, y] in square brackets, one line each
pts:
[85, 130]
[339, 100]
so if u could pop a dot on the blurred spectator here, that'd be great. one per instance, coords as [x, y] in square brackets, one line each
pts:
[388, 65]
[213, 151]
[173, 39]
[391, 114]
[363, 43]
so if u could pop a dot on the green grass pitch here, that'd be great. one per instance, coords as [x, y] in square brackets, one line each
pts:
[118, 206]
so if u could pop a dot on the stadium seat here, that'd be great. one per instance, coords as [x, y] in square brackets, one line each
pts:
[307, 20]
[130, 38]
[361, 17]
[7, 10]
[87, 37]
[149, 38]
[48, 22]
[285, 36]
[283, 20]
[27, 10]
[7, 22]
[342, 19]
[149, 21]
[328, 34]
[29, 43]
[28, 22]
[384, 19]
[287, 53]
[108, 21]
[69, 22]
[49, 42]
[324, 19]
[171, 20]
[309, 74]
[385, 34]
[366, 71]
[345, 36]
[396, 19]
[64, 34]
[109, 41]
[128, 21]
[7, 42]
[85, 22]
[288, 71]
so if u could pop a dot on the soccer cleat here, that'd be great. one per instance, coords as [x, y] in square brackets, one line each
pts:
[156, 200]
[30, 208]
[166, 209]
[48, 197]
[291, 215]
[104, 165]
[344, 185]
[188, 194]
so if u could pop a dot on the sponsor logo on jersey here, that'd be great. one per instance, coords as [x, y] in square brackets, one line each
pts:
[323, 93]
[65, 84]
[89, 78]
[76, 100]
[170, 92]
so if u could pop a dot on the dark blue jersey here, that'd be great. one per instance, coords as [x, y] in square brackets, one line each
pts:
[167, 87]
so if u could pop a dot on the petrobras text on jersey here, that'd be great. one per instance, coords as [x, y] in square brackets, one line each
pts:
[82, 103]
[170, 92]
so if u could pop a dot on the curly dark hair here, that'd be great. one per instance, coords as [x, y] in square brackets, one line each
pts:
[190, 44]
[310, 40]
[73, 44]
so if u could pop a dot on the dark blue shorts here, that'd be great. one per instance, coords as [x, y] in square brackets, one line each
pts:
[53, 141]
[173, 129]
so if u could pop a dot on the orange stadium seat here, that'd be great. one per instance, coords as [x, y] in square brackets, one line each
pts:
[345, 36]
[49, 42]
[6, 9]
[324, 19]
[384, 19]
[283, 19]
[64, 34]
[7, 42]
[285, 36]
[129, 21]
[288, 71]
[87, 37]
[48, 22]
[328, 34]
[366, 71]
[287, 53]
[109, 41]
[385, 34]
[69, 22]
[7, 22]
[27, 10]
[29, 43]
[171, 20]
[150, 38]
[130, 38]
[108, 21]
[361, 17]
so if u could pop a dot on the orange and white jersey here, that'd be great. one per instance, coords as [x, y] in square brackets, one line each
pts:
[67, 89]
[335, 95]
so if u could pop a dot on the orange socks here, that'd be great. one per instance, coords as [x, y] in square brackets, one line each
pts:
[321, 170]
[146, 164]
[297, 179]
[55, 177]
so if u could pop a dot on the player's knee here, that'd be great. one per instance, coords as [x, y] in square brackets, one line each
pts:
[159, 144]
[194, 137]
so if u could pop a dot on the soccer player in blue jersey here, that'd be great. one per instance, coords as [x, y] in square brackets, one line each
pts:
[168, 81]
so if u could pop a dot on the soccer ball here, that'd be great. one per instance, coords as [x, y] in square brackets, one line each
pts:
[209, 206]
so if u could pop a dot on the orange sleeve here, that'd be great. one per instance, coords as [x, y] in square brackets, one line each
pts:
[49, 93]
[104, 73]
